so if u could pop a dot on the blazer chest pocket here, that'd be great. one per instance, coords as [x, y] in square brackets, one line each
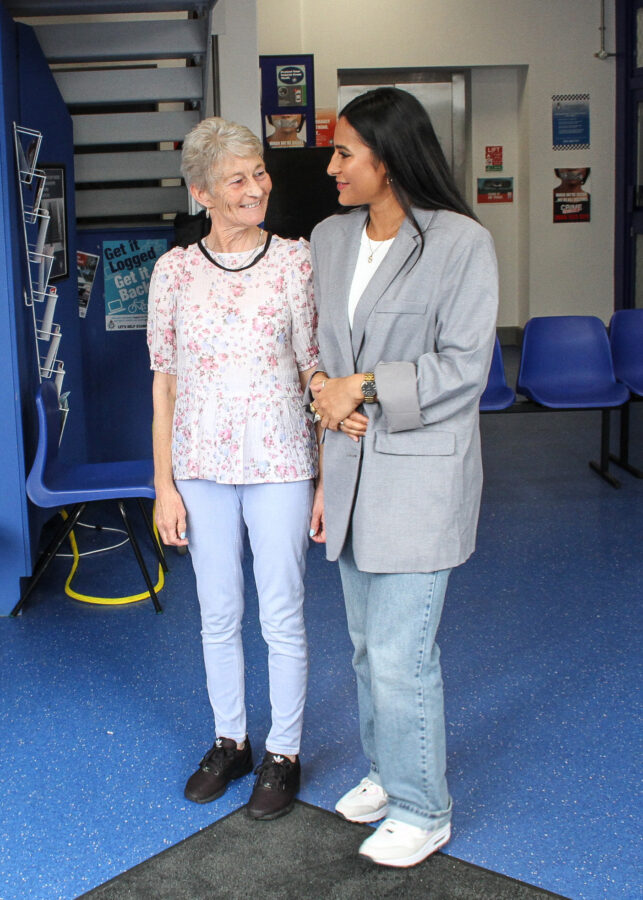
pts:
[395, 305]
[416, 443]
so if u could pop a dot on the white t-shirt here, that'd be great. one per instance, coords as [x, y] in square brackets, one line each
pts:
[364, 270]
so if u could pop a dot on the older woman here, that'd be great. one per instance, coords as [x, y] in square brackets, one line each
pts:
[231, 333]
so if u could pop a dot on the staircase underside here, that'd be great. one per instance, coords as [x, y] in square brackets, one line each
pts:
[136, 76]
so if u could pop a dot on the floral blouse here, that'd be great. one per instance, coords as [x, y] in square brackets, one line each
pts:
[236, 342]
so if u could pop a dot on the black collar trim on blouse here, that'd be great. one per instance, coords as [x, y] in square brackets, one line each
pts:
[204, 250]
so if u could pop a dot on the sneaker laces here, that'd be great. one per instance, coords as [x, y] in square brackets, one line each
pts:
[274, 772]
[366, 786]
[215, 759]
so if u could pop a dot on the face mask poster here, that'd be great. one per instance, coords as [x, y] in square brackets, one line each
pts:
[127, 267]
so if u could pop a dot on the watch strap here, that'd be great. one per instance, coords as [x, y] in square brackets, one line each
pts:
[369, 388]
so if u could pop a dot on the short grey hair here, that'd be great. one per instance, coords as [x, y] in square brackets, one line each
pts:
[209, 143]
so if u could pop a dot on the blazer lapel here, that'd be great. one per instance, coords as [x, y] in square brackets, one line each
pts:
[345, 260]
[402, 248]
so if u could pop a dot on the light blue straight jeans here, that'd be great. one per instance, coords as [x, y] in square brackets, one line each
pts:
[393, 622]
[277, 517]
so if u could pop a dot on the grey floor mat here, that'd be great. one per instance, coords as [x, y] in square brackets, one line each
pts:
[310, 853]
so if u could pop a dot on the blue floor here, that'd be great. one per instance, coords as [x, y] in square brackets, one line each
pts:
[104, 711]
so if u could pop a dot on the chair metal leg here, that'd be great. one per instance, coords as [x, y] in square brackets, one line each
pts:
[622, 459]
[158, 549]
[48, 554]
[139, 557]
[602, 468]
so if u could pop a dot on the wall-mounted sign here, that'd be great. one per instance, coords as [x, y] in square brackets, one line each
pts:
[325, 121]
[571, 195]
[287, 101]
[127, 269]
[286, 130]
[495, 190]
[493, 158]
[53, 200]
[86, 264]
[570, 121]
[291, 85]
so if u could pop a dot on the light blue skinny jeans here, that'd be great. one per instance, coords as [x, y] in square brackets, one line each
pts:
[393, 622]
[277, 517]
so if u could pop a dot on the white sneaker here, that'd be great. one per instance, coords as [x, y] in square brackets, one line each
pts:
[367, 802]
[398, 844]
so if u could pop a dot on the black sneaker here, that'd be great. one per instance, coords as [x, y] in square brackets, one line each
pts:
[275, 788]
[220, 765]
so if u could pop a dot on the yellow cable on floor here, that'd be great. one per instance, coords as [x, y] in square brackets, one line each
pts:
[105, 601]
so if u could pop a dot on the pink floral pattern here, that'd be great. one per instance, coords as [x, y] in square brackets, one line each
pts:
[236, 342]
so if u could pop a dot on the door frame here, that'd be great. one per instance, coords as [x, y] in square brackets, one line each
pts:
[629, 93]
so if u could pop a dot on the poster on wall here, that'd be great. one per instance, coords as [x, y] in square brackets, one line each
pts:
[127, 269]
[570, 121]
[87, 265]
[286, 130]
[495, 190]
[287, 101]
[325, 121]
[53, 201]
[571, 195]
[493, 158]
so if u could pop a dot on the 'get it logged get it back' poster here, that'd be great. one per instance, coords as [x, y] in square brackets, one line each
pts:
[127, 267]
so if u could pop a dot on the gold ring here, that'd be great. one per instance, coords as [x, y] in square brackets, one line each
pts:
[312, 408]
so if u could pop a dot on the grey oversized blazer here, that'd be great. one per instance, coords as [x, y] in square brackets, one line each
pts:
[411, 487]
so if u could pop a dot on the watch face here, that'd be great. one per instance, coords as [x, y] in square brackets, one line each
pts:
[369, 389]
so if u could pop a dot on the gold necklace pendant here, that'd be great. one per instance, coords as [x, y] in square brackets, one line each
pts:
[370, 247]
[373, 250]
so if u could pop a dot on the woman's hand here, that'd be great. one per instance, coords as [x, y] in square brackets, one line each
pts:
[336, 398]
[170, 516]
[354, 425]
[317, 520]
[318, 379]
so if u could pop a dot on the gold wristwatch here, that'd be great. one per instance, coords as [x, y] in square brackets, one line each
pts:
[369, 388]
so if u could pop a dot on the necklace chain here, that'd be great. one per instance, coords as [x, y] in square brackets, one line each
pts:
[373, 250]
[380, 244]
[245, 260]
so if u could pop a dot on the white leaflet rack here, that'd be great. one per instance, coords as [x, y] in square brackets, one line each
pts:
[39, 296]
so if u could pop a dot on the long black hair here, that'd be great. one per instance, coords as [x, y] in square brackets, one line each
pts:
[397, 129]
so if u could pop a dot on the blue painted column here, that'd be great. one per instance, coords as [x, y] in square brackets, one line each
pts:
[15, 556]
[29, 97]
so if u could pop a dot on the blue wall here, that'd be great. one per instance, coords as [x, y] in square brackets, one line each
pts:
[106, 373]
[29, 97]
[42, 108]
[14, 526]
[116, 367]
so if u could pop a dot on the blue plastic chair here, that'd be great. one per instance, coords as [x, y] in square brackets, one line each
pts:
[497, 394]
[566, 363]
[52, 483]
[626, 341]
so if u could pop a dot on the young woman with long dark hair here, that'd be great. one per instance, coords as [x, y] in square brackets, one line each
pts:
[406, 289]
